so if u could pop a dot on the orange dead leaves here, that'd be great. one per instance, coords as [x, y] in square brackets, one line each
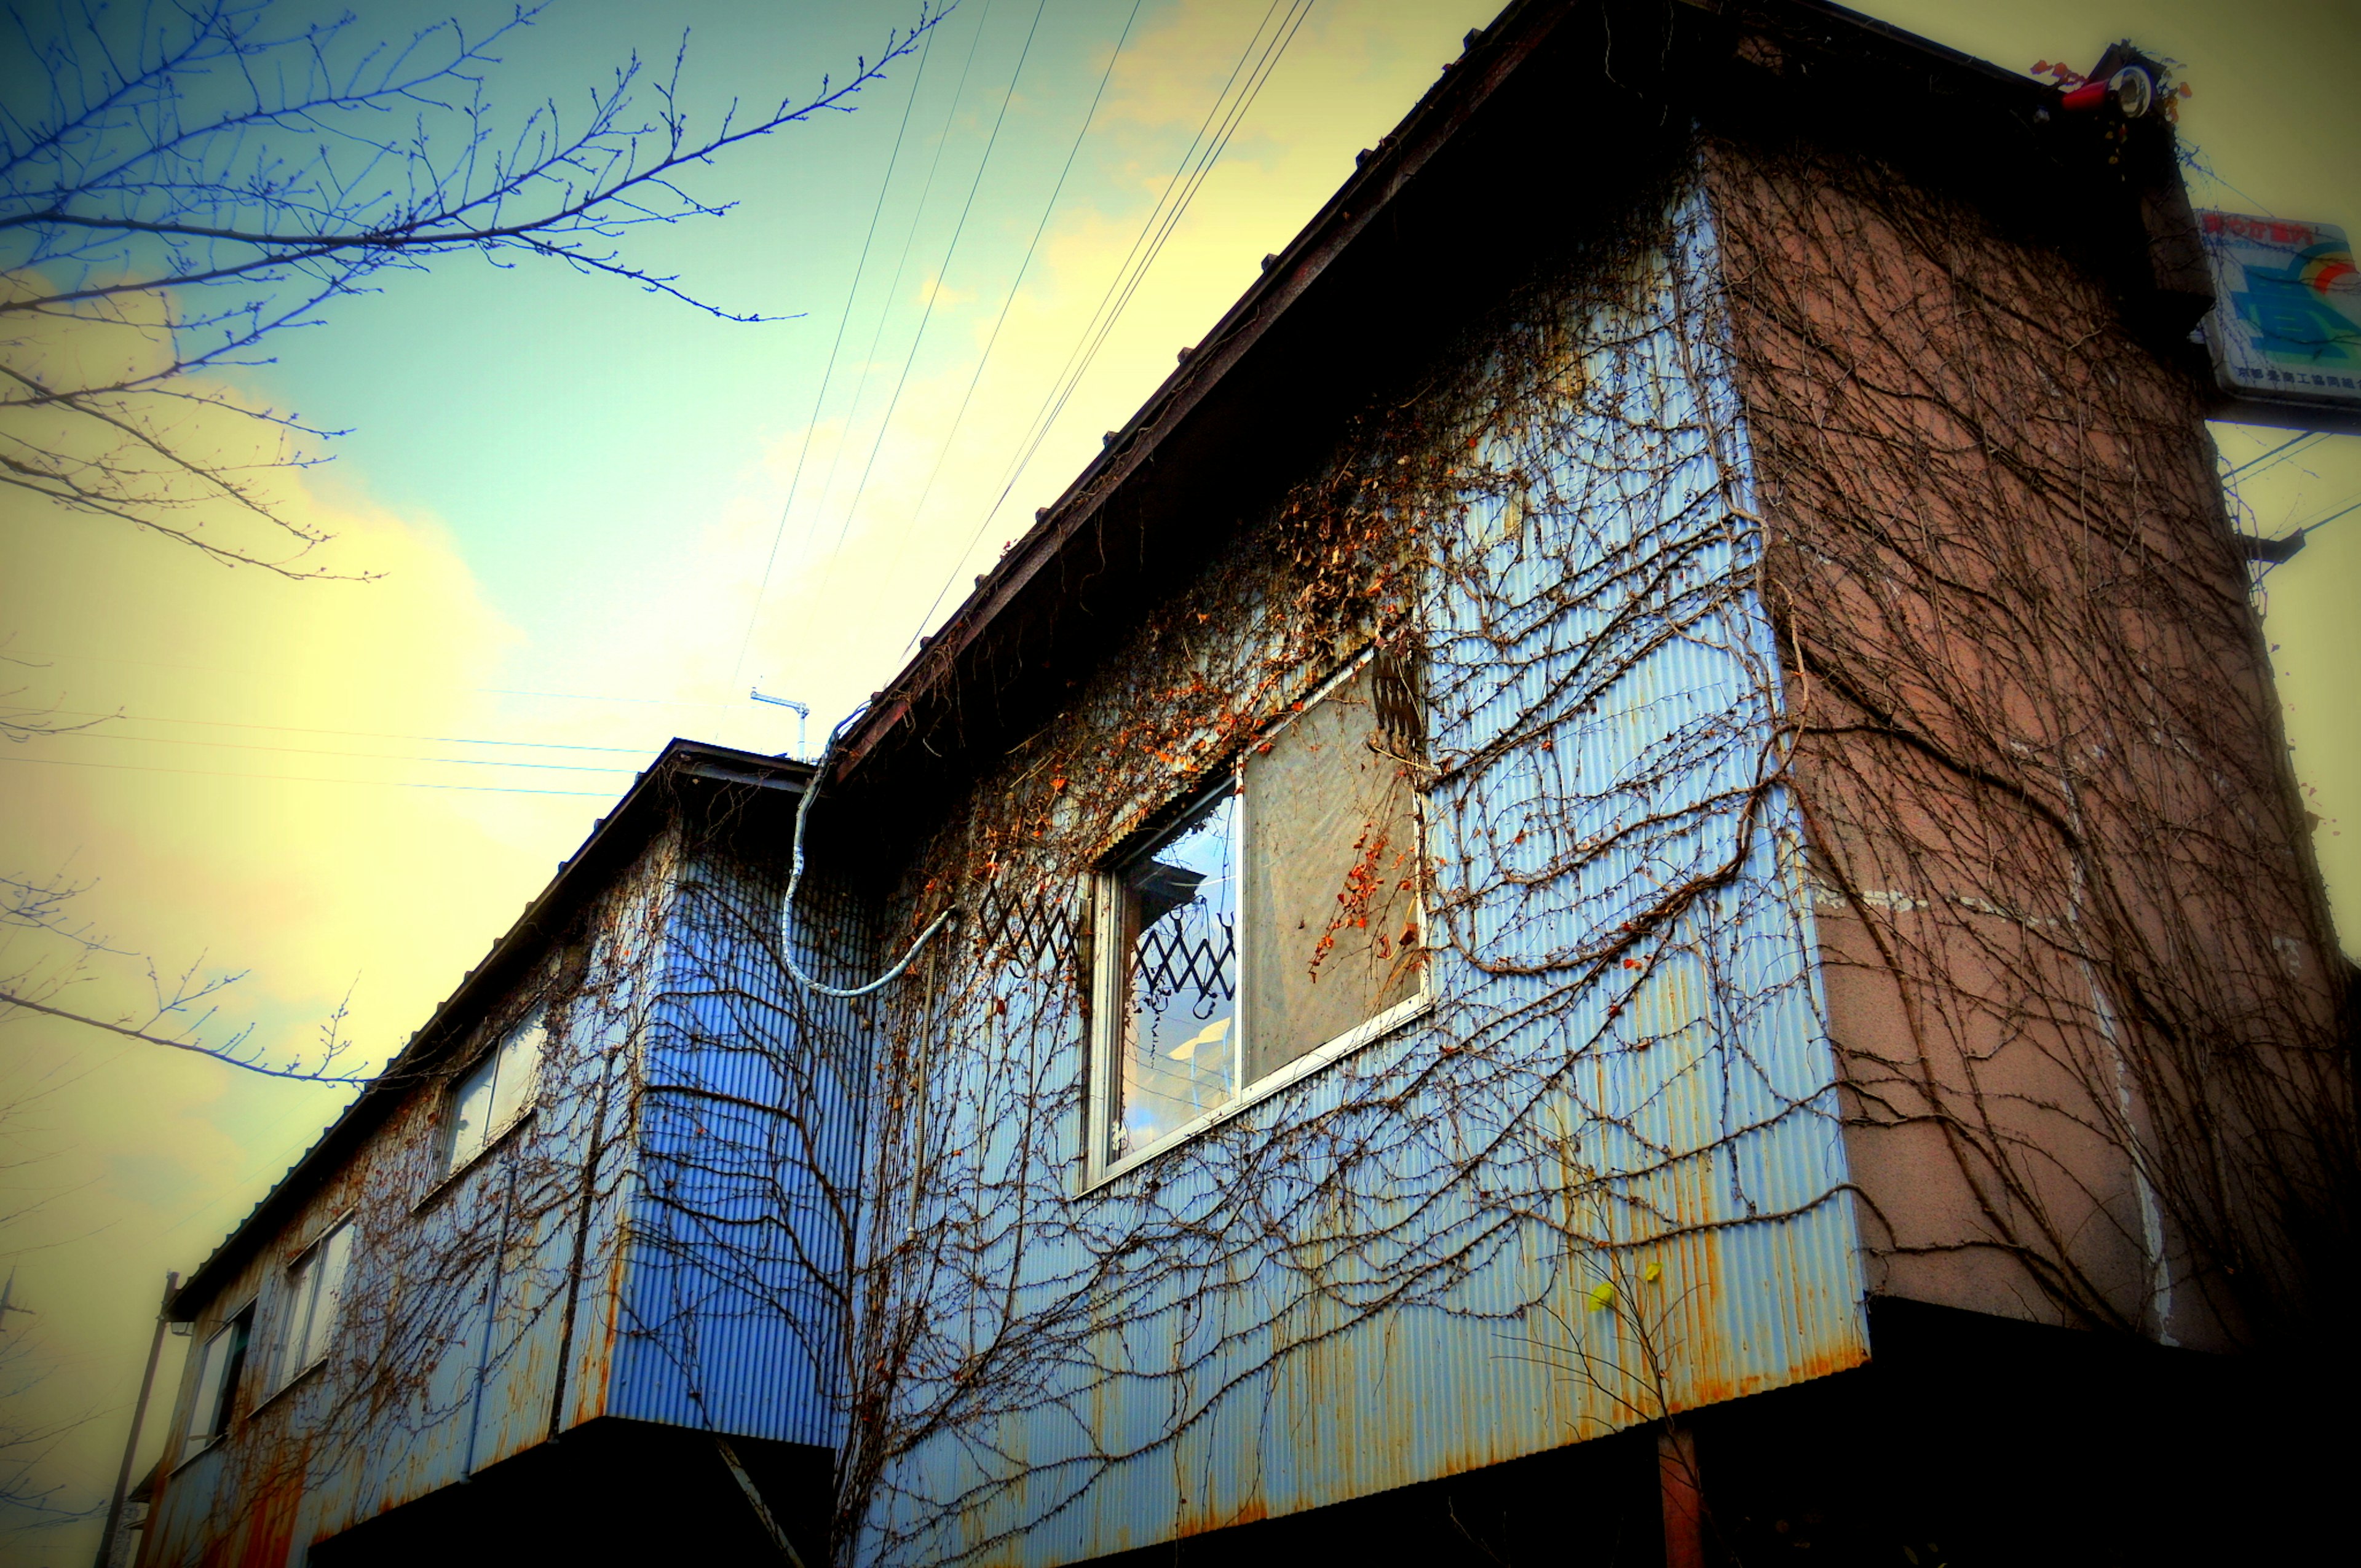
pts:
[1362, 882]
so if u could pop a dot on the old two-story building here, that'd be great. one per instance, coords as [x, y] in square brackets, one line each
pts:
[1621, 886]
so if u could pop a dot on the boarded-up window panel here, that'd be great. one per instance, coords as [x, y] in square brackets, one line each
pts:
[1332, 874]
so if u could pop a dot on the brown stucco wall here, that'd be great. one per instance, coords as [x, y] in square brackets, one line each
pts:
[2078, 965]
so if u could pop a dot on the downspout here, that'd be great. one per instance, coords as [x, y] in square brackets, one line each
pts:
[492, 1321]
[581, 1251]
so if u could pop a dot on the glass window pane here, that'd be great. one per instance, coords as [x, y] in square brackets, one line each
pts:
[1177, 1057]
[207, 1404]
[328, 1264]
[471, 1110]
[1331, 878]
[519, 1063]
[225, 1355]
[295, 1318]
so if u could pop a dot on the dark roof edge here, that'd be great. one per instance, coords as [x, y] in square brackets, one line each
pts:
[1466, 83]
[616, 833]
[1492, 56]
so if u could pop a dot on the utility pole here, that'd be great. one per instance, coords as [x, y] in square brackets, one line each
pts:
[138, 1414]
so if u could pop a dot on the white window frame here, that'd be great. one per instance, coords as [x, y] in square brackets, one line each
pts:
[533, 1025]
[1111, 991]
[222, 1399]
[301, 1339]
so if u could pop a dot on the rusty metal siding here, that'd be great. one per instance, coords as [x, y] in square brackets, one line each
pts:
[732, 1309]
[437, 1369]
[1436, 1315]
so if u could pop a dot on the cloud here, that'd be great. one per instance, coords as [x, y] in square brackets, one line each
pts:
[258, 793]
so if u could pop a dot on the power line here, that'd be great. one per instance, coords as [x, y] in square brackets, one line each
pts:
[415, 685]
[1195, 163]
[300, 778]
[1047, 208]
[2273, 454]
[357, 734]
[2331, 517]
[313, 751]
[812, 428]
[893, 290]
[942, 272]
[1188, 176]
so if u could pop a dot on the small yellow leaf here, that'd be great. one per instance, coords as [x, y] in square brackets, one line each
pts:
[1652, 1272]
[1602, 1296]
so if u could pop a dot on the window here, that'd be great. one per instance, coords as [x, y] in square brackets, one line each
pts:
[218, 1365]
[1273, 925]
[494, 1092]
[315, 1288]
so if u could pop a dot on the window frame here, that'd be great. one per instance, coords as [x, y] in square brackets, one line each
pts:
[453, 1162]
[285, 1370]
[1110, 993]
[225, 1396]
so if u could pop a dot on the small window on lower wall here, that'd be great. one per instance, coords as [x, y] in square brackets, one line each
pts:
[219, 1365]
[1275, 923]
[490, 1095]
[315, 1292]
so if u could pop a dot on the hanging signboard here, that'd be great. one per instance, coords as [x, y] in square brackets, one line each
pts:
[2286, 325]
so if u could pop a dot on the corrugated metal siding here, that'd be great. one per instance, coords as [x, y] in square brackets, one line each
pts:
[733, 1307]
[1335, 1322]
[446, 1357]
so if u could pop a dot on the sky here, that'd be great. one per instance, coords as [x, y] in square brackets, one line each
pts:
[596, 518]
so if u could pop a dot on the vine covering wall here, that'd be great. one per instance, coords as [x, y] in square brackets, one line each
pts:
[1857, 855]
[2085, 990]
[1803, 567]
[472, 1322]
[1601, 1181]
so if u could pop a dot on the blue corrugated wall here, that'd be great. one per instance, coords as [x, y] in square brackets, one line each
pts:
[1572, 1198]
[733, 1301]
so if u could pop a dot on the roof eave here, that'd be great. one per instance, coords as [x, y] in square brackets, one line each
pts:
[635, 814]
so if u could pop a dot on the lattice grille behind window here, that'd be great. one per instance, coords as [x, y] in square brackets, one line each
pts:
[1278, 916]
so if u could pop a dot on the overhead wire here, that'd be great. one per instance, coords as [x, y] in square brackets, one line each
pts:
[820, 401]
[893, 289]
[301, 778]
[942, 273]
[357, 734]
[1177, 193]
[1205, 149]
[1196, 162]
[1007, 304]
[315, 752]
[2274, 455]
[408, 686]
[2331, 517]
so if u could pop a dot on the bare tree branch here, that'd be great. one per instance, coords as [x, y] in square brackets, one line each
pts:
[45, 908]
[204, 176]
[12, 1000]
